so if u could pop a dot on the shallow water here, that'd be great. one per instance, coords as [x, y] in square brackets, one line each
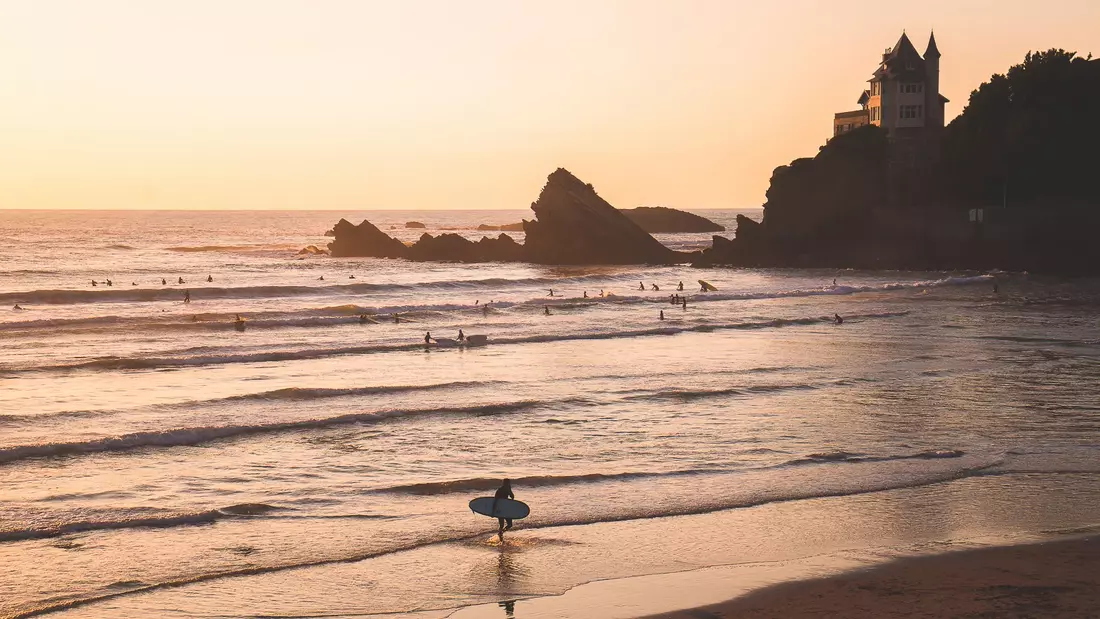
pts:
[145, 442]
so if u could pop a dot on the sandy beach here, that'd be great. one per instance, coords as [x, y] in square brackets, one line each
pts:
[1053, 579]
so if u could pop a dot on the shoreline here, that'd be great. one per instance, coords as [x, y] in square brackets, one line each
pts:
[1055, 578]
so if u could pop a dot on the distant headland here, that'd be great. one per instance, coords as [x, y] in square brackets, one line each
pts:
[1010, 183]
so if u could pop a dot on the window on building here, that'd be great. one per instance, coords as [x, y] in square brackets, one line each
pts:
[912, 87]
[910, 111]
[875, 89]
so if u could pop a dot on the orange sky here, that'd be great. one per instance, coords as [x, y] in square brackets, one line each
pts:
[358, 104]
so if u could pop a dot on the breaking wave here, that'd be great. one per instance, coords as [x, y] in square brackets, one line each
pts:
[180, 437]
[140, 363]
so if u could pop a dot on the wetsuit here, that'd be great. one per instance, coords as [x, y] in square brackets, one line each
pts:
[504, 492]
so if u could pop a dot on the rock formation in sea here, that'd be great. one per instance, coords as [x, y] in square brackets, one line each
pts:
[364, 240]
[574, 225]
[415, 225]
[661, 219]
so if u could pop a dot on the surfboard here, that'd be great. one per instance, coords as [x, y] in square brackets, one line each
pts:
[505, 508]
[708, 286]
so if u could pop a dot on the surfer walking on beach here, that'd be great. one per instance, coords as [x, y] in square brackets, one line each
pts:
[503, 492]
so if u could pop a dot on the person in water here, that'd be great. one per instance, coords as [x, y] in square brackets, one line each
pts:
[551, 293]
[428, 338]
[163, 282]
[362, 318]
[834, 281]
[186, 296]
[641, 286]
[17, 307]
[662, 317]
[94, 283]
[680, 287]
[396, 317]
[656, 287]
[485, 310]
[209, 278]
[322, 278]
[585, 294]
[546, 308]
[109, 282]
[503, 492]
[837, 319]
[181, 280]
[461, 336]
[685, 300]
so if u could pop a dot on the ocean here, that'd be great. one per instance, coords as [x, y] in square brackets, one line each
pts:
[157, 461]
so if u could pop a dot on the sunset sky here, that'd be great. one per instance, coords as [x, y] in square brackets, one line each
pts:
[329, 104]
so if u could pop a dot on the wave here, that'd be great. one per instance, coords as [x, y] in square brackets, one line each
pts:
[536, 481]
[686, 395]
[181, 437]
[162, 521]
[287, 394]
[844, 456]
[143, 363]
[199, 290]
[638, 512]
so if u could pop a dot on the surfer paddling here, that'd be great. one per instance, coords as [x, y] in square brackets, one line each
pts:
[503, 492]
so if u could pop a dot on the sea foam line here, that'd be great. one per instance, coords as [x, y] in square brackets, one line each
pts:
[140, 363]
[180, 437]
[880, 485]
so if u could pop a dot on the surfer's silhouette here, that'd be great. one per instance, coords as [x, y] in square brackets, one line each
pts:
[837, 319]
[680, 287]
[503, 492]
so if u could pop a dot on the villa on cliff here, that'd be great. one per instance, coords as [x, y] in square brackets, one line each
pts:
[904, 95]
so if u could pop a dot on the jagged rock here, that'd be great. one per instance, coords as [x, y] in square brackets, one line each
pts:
[576, 226]
[654, 219]
[330, 232]
[454, 248]
[446, 247]
[501, 249]
[364, 240]
[414, 224]
[516, 227]
[312, 250]
[487, 228]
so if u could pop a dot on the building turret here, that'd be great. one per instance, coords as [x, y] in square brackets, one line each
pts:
[933, 103]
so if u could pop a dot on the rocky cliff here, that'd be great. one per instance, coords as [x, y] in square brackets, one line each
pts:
[364, 240]
[574, 225]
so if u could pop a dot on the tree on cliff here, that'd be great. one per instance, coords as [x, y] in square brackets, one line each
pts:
[1033, 133]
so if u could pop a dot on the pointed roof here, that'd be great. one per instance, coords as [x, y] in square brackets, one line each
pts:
[932, 51]
[904, 47]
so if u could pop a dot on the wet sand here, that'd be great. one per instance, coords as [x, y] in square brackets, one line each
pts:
[1052, 579]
